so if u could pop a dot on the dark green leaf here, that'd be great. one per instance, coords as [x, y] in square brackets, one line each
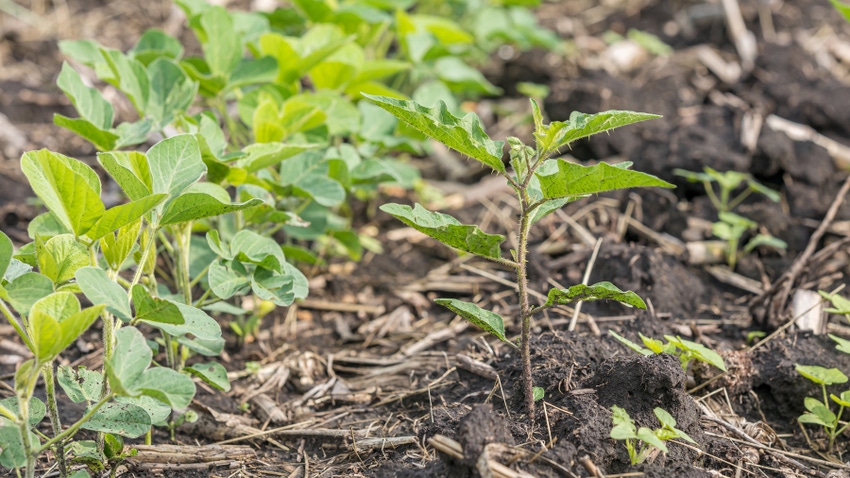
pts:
[486, 320]
[213, 373]
[562, 179]
[123, 419]
[598, 291]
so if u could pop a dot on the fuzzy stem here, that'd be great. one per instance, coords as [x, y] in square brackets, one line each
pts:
[522, 283]
[53, 411]
[76, 426]
[24, 425]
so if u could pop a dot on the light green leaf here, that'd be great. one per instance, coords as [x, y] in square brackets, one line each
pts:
[37, 409]
[598, 291]
[840, 305]
[222, 48]
[562, 179]
[117, 247]
[79, 384]
[192, 205]
[123, 419]
[172, 91]
[60, 257]
[262, 155]
[152, 309]
[129, 76]
[273, 286]
[175, 163]
[624, 428]
[821, 375]
[46, 225]
[207, 348]
[26, 290]
[130, 169]
[155, 44]
[213, 373]
[580, 125]
[119, 216]
[308, 174]
[843, 400]
[226, 280]
[842, 8]
[462, 77]
[196, 322]
[698, 351]
[538, 393]
[628, 343]
[765, 240]
[843, 344]
[648, 436]
[465, 135]
[69, 188]
[448, 230]
[130, 358]
[812, 419]
[13, 456]
[485, 319]
[664, 417]
[6, 252]
[103, 140]
[167, 385]
[88, 101]
[156, 410]
[56, 321]
[339, 68]
[100, 289]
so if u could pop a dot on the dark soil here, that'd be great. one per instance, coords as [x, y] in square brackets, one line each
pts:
[348, 369]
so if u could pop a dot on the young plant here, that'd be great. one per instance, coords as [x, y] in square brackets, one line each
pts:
[640, 442]
[819, 412]
[542, 185]
[685, 350]
[732, 227]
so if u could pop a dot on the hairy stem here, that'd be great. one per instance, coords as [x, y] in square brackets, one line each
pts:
[24, 425]
[53, 411]
[76, 426]
[522, 282]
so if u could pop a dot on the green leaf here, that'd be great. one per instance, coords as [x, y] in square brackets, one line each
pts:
[6, 252]
[840, 305]
[598, 291]
[198, 203]
[196, 322]
[624, 427]
[130, 169]
[60, 257]
[156, 410]
[37, 409]
[842, 8]
[698, 351]
[580, 125]
[228, 279]
[167, 385]
[843, 344]
[123, 419]
[13, 456]
[628, 343]
[56, 321]
[489, 321]
[79, 384]
[448, 230]
[307, 173]
[117, 247]
[119, 216]
[664, 417]
[100, 289]
[262, 155]
[464, 78]
[207, 348]
[130, 358]
[129, 76]
[538, 393]
[69, 188]
[812, 419]
[843, 400]
[175, 163]
[465, 135]
[648, 436]
[155, 44]
[26, 290]
[765, 240]
[152, 309]
[103, 140]
[821, 375]
[172, 91]
[222, 48]
[88, 101]
[213, 373]
[562, 179]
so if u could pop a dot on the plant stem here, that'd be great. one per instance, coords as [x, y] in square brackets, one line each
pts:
[183, 236]
[76, 426]
[522, 283]
[24, 425]
[53, 411]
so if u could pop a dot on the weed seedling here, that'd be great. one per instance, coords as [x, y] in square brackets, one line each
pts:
[819, 412]
[542, 184]
[640, 442]
[685, 350]
[732, 227]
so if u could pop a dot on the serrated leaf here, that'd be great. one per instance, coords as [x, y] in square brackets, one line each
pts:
[69, 188]
[130, 358]
[166, 385]
[485, 319]
[598, 291]
[628, 343]
[563, 179]
[123, 419]
[581, 125]
[119, 216]
[100, 289]
[821, 375]
[448, 230]
[213, 373]
[465, 135]
[79, 384]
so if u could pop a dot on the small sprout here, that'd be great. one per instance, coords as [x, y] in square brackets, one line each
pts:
[539, 393]
[819, 412]
[685, 350]
[641, 441]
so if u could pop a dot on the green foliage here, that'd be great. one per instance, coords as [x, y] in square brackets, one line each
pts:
[641, 441]
[542, 185]
[685, 350]
[732, 227]
[819, 412]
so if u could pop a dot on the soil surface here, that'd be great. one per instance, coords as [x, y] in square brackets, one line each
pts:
[369, 378]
